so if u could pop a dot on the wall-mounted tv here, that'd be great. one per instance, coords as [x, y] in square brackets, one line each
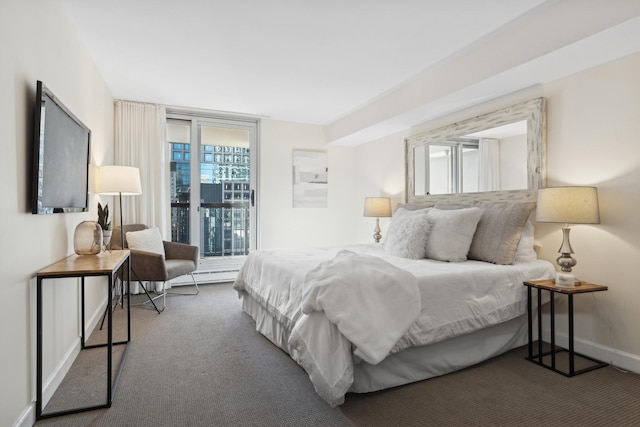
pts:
[61, 146]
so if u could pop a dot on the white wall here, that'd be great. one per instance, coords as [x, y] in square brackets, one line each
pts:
[37, 42]
[593, 138]
[378, 171]
[281, 225]
[593, 131]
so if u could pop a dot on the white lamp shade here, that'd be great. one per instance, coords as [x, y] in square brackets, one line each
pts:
[377, 207]
[114, 180]
[569, 205]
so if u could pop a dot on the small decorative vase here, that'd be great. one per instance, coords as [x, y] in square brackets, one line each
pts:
[87, 239]
[106, 240]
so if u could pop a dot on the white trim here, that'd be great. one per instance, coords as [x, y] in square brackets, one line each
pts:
[617, 358]
[28, 416]
[53, 382]
[203, 112]
[96, 317]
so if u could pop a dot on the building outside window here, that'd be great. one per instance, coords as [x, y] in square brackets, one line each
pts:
[224, 193]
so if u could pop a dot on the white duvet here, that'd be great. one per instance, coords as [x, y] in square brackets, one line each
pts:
[371, 302]
[452, 299]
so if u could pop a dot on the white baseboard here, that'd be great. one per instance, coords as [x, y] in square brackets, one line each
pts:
[617, 358]
[51, 384]
[96, 317]
[28, 417]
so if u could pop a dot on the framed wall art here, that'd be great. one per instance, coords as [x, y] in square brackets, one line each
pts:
[310, 179]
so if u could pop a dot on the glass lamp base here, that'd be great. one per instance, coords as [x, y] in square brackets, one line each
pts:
[87, 238]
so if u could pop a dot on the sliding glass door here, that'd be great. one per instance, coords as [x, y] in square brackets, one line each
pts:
[212, 188]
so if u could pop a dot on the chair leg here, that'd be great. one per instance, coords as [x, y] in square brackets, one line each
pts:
[104, 315]
[151, 299]
[197, 291]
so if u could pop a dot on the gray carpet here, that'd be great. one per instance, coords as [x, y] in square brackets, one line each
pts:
[201, 363]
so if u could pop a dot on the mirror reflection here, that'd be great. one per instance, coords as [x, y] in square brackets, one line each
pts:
[490, 160]
[497, 156]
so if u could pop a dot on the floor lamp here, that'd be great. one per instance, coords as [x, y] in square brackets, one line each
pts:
[119, 181]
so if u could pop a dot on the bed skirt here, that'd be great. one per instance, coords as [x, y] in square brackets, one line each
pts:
[412, 364]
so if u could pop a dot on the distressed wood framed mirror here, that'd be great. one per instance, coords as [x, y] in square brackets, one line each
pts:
[498, 156]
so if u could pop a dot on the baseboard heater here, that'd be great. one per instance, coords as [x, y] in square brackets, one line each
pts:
[212, 276]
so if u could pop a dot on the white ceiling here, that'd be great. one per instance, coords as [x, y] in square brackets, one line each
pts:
[311, 61]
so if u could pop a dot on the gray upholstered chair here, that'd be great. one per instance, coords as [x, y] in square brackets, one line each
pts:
[178, 259]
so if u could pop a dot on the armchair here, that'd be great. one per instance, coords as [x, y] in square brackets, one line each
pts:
[157, 260]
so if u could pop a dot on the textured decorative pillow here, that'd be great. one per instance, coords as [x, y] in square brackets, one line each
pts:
[408, 234]
[412, 206]
[526, 252]
[452, 233]
[499, 231]
[148, 240]
[451, 206]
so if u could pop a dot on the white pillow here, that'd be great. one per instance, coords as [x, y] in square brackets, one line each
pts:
[148, 240]
[525, 252]
[408, 234]
[452, 233]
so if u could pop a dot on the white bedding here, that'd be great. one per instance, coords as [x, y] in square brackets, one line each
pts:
[371, 305]
[455, 299]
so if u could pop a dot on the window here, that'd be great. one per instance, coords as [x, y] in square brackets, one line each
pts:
[452, 167]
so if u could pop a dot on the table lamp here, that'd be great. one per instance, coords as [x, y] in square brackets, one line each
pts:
[378, 207]
[119, 181]
[568, 205]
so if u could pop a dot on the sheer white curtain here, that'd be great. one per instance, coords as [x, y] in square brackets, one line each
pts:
[140, 141]
[489, 164]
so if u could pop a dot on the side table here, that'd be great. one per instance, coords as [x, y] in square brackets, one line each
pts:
[107, 264]
[550, 286]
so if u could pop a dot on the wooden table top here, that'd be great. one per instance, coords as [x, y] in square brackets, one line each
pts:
[576, 289]
[73, 265]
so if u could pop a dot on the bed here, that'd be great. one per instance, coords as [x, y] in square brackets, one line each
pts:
[362, 318]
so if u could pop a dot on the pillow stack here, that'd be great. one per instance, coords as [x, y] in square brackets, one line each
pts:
[499, 233]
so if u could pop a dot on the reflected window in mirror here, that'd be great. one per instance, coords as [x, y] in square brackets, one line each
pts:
[496, 156]
[491, 160]
[447, 167]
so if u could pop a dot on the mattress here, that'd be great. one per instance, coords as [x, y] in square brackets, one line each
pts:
[456, 300]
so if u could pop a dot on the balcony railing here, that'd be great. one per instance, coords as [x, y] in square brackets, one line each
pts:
[224, 227]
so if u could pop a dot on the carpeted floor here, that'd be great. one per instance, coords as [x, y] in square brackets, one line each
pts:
[201, 363]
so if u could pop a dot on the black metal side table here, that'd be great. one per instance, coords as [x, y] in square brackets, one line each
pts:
[550, 286]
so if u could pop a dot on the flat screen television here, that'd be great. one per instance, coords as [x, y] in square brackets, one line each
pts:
[61, 146]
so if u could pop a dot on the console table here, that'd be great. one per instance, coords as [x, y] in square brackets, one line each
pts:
[108, 264]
